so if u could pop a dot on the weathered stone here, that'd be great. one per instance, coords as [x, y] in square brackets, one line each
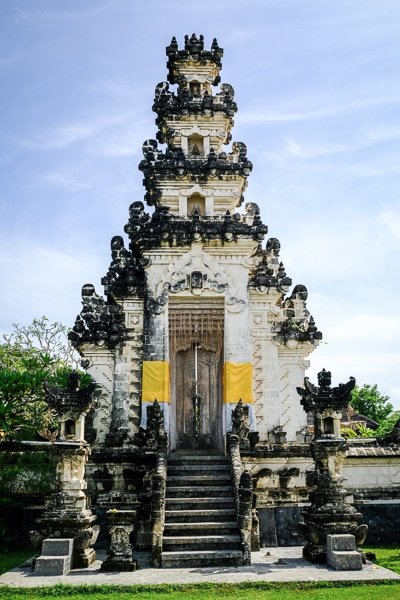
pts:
[341, 553]
[55, 558]
[57, 547]
[331, 511]
[52, 565]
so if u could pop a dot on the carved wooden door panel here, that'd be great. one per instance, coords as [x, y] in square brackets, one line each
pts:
[210, 429]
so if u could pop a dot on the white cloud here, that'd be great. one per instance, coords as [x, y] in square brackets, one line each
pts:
[65, 181]
[69, 134]
[297, 150]
[391, 220]
[338, 109]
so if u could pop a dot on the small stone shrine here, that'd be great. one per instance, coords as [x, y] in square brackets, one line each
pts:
[67, 515]
[331, 512]
[198, 346]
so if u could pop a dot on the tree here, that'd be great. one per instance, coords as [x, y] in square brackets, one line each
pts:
[49, 339]
[30, 356]
[367, 400]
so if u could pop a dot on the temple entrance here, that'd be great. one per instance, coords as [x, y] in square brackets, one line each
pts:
[196, 336]
[197, 408]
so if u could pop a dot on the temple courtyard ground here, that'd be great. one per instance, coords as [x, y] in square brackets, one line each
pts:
[270, 565]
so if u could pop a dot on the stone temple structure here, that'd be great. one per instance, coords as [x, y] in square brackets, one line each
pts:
[198, 345]
[198, 273]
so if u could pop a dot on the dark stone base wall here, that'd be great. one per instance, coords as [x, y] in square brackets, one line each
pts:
[383, 522]
[278, 526]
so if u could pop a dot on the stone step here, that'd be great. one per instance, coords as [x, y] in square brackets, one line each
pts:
[53, 565]
[194, 459]
[198, 529]
[204, 558]
[349, 560]
[198, 516]
[201, 542]
[195, 469]
[199, 491]
[179, 480]
[195, 502]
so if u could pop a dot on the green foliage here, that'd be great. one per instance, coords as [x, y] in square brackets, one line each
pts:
[387, 425]
[23, 475]
[367, 400]
[348, 432]
[31, 356]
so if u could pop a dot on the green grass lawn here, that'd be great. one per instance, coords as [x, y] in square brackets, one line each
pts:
[386, 557]
[244, 591]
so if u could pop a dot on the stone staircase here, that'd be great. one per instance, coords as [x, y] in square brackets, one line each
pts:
[200, 517]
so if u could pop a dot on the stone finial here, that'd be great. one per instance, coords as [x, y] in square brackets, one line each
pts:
[99, 322]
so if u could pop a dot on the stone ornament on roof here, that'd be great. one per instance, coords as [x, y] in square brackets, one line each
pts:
[99, 322]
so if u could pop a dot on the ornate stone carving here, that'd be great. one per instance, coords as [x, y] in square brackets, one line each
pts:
[71, 405]
[193, 51]
[120, 553]
[157, 166]
[270, 273]
[298, 325]
[243, 488]
[100, 322]
[240, 424]
[125, 275]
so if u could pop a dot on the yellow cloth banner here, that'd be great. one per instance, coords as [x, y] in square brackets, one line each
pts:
[155, 381]
[238, 383]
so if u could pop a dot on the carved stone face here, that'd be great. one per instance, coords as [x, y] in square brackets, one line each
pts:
[196, 279]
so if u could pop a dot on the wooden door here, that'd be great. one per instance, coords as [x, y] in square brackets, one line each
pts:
[210, 427]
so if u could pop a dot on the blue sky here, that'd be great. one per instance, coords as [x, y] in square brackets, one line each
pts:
[318, 88]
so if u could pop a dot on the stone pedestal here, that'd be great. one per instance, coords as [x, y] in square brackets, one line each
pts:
[120, 526]
[342, 554]
[55, 558]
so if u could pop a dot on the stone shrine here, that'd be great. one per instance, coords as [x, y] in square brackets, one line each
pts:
[198, 346]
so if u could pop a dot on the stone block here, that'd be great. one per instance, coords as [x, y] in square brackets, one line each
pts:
[341, 553]
[344, 542]
[57, 547]
[53, 565]
[345, 561]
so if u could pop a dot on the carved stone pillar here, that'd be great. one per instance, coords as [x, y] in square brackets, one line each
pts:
[120, 527]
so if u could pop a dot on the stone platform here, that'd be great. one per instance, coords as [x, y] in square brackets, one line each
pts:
[270, 564]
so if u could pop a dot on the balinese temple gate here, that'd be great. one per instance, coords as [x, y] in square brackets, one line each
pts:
[198, 313]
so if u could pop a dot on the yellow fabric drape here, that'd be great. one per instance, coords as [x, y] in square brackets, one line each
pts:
[155, 381]
[238, 383]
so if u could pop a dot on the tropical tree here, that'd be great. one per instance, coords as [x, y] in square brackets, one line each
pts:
[367, 400]
[29, 356]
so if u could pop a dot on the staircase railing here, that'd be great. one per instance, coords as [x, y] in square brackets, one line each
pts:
[243, 490]
[159, 484]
